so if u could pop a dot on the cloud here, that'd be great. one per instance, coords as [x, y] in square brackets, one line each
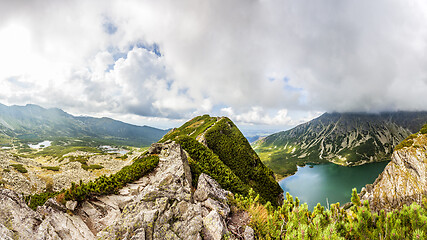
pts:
[258, 116]
[262, 62]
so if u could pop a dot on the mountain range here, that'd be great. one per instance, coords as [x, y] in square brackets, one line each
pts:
[342, 138]
[34, 123]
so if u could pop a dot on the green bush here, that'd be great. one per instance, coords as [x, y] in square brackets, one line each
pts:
[424, 129]
[19, 168]
[35, 200]
[104, 185]
[404, 143]
[51, 168]
[92, 167]
[101, 186]
[203, 160]
[294, 221]
[234, 150]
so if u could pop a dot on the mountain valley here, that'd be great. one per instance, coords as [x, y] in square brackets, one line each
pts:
[346, 139]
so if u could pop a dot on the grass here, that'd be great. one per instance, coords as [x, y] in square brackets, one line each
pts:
[51, 168]
[192, 128]
[92, 167]
[83, 161]
[424, 129]
[282, 163]
[19, 168]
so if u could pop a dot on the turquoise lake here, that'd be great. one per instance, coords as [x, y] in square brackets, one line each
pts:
[329, 181]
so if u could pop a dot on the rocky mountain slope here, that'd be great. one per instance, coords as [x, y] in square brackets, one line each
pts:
[341, 138]
[34, 123]
[404, 179]
[218, 148]
[160, 205]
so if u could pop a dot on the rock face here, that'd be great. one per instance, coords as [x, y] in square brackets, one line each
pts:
[404, 179]
[158, 206]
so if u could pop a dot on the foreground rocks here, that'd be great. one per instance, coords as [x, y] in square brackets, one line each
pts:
[403, 181]
[158, 206]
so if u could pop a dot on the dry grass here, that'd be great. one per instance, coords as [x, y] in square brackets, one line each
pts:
[259, 214]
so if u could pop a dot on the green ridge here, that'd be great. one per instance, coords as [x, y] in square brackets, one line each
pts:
[227, 156]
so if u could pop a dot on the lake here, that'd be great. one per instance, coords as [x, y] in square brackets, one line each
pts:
[329, 181]
[40, 145]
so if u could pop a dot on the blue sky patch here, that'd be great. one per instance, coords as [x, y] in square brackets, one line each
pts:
[109, 27]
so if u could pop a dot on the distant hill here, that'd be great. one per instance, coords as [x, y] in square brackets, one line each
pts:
[341, 138]
[218, 148]
[33, 123]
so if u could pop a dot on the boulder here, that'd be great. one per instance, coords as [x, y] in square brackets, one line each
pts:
[207, 187]
[155, 148]
[214, 227]
[71, 205]
[249, 233]
[221, 208]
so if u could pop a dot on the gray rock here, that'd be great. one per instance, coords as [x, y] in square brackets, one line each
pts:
[139, 234]
[71, 205]
[249, 233]
[55, 205]
[5, 233]
[214, 227]
[221, 208]
[155, 148]
[207, 187]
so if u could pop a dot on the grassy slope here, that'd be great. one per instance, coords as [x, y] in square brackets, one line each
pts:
[225, 140]
[228, 150]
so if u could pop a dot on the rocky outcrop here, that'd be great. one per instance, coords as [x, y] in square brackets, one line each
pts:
[160, 205]
[404, 179]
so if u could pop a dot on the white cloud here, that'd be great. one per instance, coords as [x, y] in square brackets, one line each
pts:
[262, 62]
[257, 115]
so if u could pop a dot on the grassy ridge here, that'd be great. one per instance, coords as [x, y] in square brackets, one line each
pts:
[203, 160]
[234, 150]
[228, 150]
[192, 128]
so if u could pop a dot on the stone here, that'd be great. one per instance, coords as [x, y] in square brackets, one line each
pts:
[207, 187]
[155, 148]
[5, 233]
[221, 208]
[214, 227]
[71, 205]
[139, 234]
[249, 233]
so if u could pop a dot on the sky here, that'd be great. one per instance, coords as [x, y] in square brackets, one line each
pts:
[265, 64]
